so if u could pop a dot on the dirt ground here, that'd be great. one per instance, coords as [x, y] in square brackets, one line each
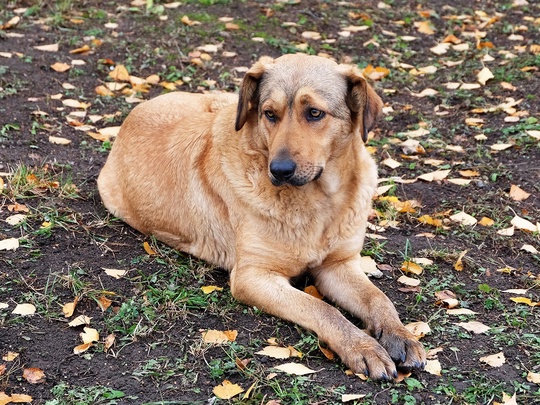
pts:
[156, 311]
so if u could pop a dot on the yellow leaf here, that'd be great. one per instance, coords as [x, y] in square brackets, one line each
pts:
[82, 49]
[58, 140]
[207, 289]
[425, 27]
[148, 249]
[329, 354]
[119, 74]
[411, 267]
[80, 320]
[227, 390]
[116, 273]
[218, 337]
[469, 173]
[275, 352]
[104, 303]
[464, 219]
[485, 221]
[103, 91]
[518, 194]
[47, 48]
[10, 356]
[109, 341]
[433, 367]
[524, 300]
[427, 219]
[21, 398]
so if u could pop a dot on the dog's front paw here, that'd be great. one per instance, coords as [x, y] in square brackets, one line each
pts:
[363, 354]
[402, 346]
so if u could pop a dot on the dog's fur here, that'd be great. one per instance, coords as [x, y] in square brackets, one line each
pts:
[287, 193]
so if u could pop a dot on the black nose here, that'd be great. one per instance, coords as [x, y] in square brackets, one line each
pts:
[282, 169]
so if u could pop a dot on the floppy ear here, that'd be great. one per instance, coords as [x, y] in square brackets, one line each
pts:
[248, 97]
[364, 103]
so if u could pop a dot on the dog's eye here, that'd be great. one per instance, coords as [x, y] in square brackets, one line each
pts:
[270, 115]
[314, 114]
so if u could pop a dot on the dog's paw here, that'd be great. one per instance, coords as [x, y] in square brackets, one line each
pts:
[404, 349]
[363, 354]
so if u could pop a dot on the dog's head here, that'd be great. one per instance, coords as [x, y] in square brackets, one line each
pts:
[308, 109]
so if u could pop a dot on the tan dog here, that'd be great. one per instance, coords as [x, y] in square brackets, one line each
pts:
[285, 194]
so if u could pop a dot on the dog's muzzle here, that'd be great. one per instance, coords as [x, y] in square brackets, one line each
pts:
[286, 171]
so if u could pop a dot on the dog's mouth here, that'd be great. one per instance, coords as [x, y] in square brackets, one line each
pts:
[297, 180]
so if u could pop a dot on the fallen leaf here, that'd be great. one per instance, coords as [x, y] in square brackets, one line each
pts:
[534, 134]
[474, 327]
[464, 219]
[501, 146]
[75, 104]
[433, 367]
[82, 348]
[506, 231]
[60, 67]
[434, 176]
[80, 320]
[227, 390]
[207, 289]
[440, 49]
[294, 368]
[116, 273]
[104, 303]
[525, 300]
[15, 219]
[275, 352]
[524, 224]
[418, 329]
[311, 35]
[469, 173]
[425, 93]
[89, 335]
[119, 74]
[485, 221]
[148, 249]
[109, 341]
[425, 27]
[9, 244]
[312, 290]
[516, 291]
[369, 266]
[530, 249]
[59, 140]
[329, 354]
[391, 163]
[218, 337]
[427, 219]
[533, 377]
[47, 48]
[484, 75]
[69, 308]
[10, 356]
[350, 397]
[24, 310]
[409, 281]
[416, 133]
[494, 360]
[34, 375]
[518, 194]
[460, 311]
[82, 49]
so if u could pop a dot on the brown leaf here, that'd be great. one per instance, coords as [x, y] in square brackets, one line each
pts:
[34, 375]
[104, 303]
[60, 67]
[148, 249]
[119, 74]
[83, 49]
[518, 194]
[69, 308]
[312, 290]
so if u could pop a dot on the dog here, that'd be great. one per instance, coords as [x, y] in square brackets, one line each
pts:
[272, 184]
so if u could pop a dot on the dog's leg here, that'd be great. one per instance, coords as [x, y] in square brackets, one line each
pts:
[271, 292]
[347, 285]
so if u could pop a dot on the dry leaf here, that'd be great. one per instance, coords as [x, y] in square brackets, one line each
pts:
[464, 219]
[312, 290]
[434, 176]
[530, 249]
[350, 397]
[469, 173]
[104, 303]
[207, 289]
[484, 75]
[485, 221]
[109, 341]
[524, 224]
[533, 377]
[427, 219]
[10, 356]
[47, 48]
[69, 308]
[34, 375]
[474, 327]
[82, 348]
[329, 354]
[9, 244]
[119, 74]
[80, 320]
[116, 273]
[227, 390]
[391, 163]
[411, 267]
[440, 49]
[518, 194]
[506, 231]
[501, 146]
[411, 282]
[433, 367]
[525, 300]
[425, 27]
[494, 360]
[369, 266]
[460, 311]
[75, 104]
[89, 335]
[59, 140]
[311, 35]
[275, 352]
[516, 291]
[418, 329]
[218, 337]
[295, 368]
[425, 93]
[148, 249]
[24, 310]
[15, 219]
[60, 67]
